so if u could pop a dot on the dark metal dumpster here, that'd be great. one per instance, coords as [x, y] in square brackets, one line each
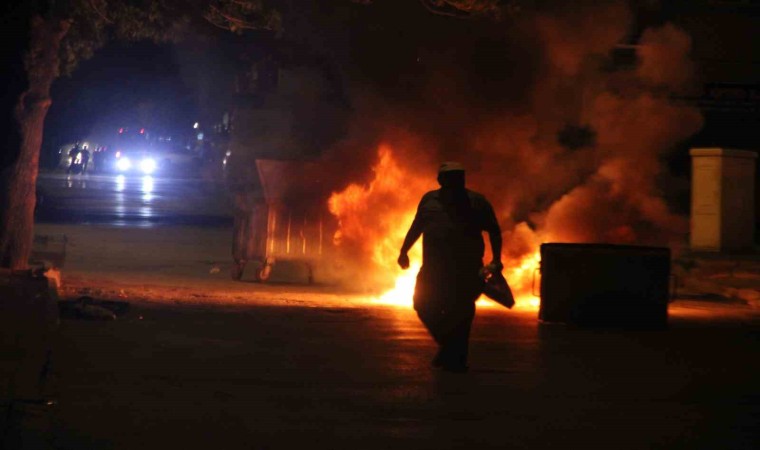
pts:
[286, 221]
[602, 284]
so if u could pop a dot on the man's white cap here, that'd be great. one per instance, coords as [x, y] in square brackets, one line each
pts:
[450, 166]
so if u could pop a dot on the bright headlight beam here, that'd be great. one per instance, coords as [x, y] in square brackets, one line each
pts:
[123, 164]
[148, 166]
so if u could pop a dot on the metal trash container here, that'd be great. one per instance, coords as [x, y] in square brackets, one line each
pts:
[288, 220]
[603, 284]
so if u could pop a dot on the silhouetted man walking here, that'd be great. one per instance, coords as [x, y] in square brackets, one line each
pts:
[85, 158]
[451, 221]
[73, 152]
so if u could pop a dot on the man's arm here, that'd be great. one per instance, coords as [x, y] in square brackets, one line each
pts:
[411, 237]
[494, 236]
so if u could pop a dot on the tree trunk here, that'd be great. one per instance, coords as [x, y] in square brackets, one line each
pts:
[19, 191]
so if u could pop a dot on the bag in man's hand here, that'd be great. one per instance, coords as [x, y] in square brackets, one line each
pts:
[496, 288]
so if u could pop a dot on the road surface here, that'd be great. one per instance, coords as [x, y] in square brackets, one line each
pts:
[131, 200]
[287, 372]
[283, 367]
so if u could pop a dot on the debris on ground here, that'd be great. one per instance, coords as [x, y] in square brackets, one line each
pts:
[87, 308]
[734, 279]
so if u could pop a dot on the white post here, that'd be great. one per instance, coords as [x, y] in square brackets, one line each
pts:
[722, 199]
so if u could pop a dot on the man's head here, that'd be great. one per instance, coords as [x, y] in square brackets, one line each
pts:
[451, 175]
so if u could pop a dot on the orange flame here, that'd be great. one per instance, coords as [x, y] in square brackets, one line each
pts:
[375, 218]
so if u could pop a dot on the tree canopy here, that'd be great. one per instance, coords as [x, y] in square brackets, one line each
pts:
[94, 22]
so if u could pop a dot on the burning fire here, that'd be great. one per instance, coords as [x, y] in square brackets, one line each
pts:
[375, 217]
[572, 152]
[373, 220]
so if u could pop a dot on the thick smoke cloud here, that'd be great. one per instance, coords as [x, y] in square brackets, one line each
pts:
[568, 146]
[665, 58]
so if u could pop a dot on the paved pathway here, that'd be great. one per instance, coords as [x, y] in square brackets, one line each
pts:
[209, 363]
[308, 376]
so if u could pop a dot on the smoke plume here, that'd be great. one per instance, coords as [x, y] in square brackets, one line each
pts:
[566, 144]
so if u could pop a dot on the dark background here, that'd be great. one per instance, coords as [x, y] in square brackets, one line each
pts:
[394, 48]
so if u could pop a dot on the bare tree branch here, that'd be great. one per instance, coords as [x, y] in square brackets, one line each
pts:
[440, 8]
[466, 9]
[99, 12]
[238, 15]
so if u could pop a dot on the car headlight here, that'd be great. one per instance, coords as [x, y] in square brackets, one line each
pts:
[148, 165]
[123, 164]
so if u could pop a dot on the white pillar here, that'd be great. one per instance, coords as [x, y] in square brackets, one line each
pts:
[722, 199]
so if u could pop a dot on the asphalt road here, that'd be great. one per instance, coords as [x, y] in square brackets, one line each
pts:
[131, 200]
[278, 367]
[299, 375]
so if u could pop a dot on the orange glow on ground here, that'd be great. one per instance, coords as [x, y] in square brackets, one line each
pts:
[519, 276]
[402, 293]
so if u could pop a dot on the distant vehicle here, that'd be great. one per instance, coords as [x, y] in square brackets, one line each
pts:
[175, 158]
[135, 151]
[128, 161]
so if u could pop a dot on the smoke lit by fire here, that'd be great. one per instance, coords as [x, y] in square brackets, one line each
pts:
[579, 159]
